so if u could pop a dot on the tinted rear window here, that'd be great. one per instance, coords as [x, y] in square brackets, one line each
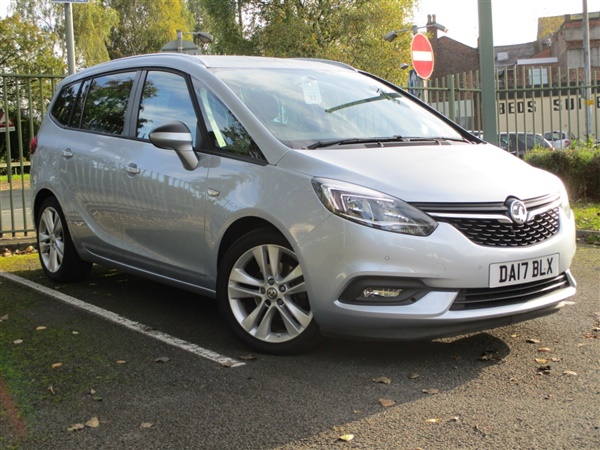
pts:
[64, 102]
[106, 103]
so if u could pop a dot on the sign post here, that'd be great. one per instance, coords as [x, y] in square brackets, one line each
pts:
[422, 55]
[422, 59]
[70, 38]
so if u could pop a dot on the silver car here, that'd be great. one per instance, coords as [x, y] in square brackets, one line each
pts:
[306, 196]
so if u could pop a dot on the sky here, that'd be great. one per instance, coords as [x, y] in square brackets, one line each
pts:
[514, 21]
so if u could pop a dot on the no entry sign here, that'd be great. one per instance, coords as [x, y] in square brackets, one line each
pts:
[422, 55]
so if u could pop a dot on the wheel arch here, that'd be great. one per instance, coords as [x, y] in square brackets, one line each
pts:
[40, 198]
[240, 228]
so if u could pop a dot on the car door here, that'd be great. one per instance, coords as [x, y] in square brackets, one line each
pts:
[161, 203]
[90, 156]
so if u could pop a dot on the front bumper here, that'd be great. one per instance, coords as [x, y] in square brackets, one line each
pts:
[339, 252]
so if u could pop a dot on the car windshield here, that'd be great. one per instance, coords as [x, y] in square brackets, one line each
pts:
[311, 108]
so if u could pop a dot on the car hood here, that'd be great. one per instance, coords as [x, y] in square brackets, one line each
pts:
[437, 173]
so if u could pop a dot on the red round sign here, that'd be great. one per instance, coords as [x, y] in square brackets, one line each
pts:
[422, 55]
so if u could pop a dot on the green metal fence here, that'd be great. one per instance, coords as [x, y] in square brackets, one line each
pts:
[530, 100]
[23, 102]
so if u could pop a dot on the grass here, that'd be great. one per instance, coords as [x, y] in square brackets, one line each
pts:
[587, 216]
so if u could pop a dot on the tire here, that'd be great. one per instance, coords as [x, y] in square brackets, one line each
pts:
[58, 255]
[262, 295]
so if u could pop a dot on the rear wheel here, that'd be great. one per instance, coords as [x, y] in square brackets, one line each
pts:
[262, 295]
[58, 256]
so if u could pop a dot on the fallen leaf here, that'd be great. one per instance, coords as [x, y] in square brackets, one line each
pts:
[383, 380]
[92, 392]
[146, 425]
[227, 363]
[3, 318]
[56, 365]
[162, 359]
[248, 357]
[51, 390]
[544, 349]
[121, 361]
[18, 341]
[541, 360]
[490, 355]
[386, 402]
[6, 253]
[570, 373]
[97, 399]
[30, 249]
[93, 423]
[454, 419]
[75, 332]
[430, 391]
[346, 437]
[76, 427]
[435, 420]
[413, 375]
[546, 370]
[40, 328]
[532, 341]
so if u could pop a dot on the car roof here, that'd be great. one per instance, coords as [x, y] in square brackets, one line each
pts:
[189, 62]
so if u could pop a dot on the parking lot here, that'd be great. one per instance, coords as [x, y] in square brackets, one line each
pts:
[129, 372]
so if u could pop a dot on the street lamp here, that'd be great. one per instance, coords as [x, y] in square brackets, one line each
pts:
[415, 29]
[180, 45]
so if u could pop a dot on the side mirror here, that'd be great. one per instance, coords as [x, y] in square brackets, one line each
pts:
[176, 136]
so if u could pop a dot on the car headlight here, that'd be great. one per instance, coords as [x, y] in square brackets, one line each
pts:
[564, 200]
[372, 208]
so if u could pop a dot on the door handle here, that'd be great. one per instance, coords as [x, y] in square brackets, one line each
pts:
[132, 169]
[67, 153]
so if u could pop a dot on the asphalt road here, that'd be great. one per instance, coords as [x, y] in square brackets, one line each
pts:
[534, 385]
[16, 219]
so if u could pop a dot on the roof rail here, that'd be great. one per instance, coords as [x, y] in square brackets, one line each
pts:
[328, 61]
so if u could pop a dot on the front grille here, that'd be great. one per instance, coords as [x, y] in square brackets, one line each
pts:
[492, 233]
[468, 299]
[489, 224]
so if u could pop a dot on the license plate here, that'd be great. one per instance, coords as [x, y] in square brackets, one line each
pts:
[524, 271]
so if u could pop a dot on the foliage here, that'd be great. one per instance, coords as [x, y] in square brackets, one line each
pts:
[26, 48]
[146, 25]
[578, 168]
[92, 24]
[350, 31]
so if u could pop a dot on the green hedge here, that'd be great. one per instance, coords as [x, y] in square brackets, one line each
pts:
[578, 168]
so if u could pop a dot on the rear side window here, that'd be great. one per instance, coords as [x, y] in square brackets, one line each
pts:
[106, 103]
[64, 102]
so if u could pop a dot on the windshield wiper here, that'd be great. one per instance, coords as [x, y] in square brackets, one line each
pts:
[332, 142]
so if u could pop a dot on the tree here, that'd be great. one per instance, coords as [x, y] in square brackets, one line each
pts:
[26, 49]
[92, 24]
[146, 25]
[350, 31]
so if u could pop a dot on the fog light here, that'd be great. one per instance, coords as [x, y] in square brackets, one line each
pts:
[382, 293]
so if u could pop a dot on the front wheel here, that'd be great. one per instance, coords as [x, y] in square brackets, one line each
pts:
[262, 295]
[58, 255]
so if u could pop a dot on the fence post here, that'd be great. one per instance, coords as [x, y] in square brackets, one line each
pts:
[451, 99]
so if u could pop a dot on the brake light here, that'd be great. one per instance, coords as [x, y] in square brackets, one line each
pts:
[33, 146]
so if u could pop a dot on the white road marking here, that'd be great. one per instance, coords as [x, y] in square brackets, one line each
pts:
[130, 324]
